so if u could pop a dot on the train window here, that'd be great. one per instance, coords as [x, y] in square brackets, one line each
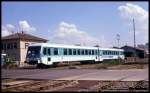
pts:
[70, 51]
[110, 52]
[74, 51]
[86, 52]
[78, 51]
[49, 51]
[107, 52]
[55, 51]
[116, 52]
[82, 52]
[44, 51]
[92, 52]
[65, 51]
[95, 52]
[89, 52]
[103, 52]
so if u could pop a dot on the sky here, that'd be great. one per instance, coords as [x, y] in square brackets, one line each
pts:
[85, 23]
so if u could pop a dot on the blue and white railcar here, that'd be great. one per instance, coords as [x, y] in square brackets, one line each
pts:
[48, 54]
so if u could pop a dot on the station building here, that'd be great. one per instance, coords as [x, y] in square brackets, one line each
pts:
[130, 51]
[15, 46]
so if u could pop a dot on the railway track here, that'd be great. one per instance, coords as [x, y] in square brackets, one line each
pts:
[72, 85]
[119, 86]
[43, 85]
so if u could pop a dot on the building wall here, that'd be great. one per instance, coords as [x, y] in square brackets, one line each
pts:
[12, 53]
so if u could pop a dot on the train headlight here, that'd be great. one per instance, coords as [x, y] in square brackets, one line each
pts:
[38, 61]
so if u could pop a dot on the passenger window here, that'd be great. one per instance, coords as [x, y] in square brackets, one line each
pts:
[49, 51]
[82, 52]
[55, 51]
[74, 51]
[89, 52]
[70, 51]
[92, 52]
[78, 51]
[86, 52]
[44, 51]
[65, 51]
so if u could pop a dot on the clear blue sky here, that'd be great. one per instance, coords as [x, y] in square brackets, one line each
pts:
[95, 18]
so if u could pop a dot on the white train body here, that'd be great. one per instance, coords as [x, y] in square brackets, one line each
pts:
[48, 54]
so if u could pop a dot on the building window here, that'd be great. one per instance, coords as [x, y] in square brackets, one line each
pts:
[11, 45]
[2, 46]
[26, 45]
[8, 46]
[15, 45]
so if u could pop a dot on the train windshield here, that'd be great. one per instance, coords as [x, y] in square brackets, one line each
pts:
[33, 51]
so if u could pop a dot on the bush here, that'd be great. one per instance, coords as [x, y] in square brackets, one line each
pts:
[9, 64]
[112, 62]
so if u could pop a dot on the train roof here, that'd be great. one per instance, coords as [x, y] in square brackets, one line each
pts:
[72, 46]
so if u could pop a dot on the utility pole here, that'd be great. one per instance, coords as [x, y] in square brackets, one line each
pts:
[118, 38]
[134, 41]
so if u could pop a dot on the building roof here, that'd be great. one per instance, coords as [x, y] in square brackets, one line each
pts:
[137, 48]
[23, 36]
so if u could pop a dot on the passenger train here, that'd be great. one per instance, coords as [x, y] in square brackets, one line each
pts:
[48, 54]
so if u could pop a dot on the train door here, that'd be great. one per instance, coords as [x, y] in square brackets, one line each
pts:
[99, 55]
